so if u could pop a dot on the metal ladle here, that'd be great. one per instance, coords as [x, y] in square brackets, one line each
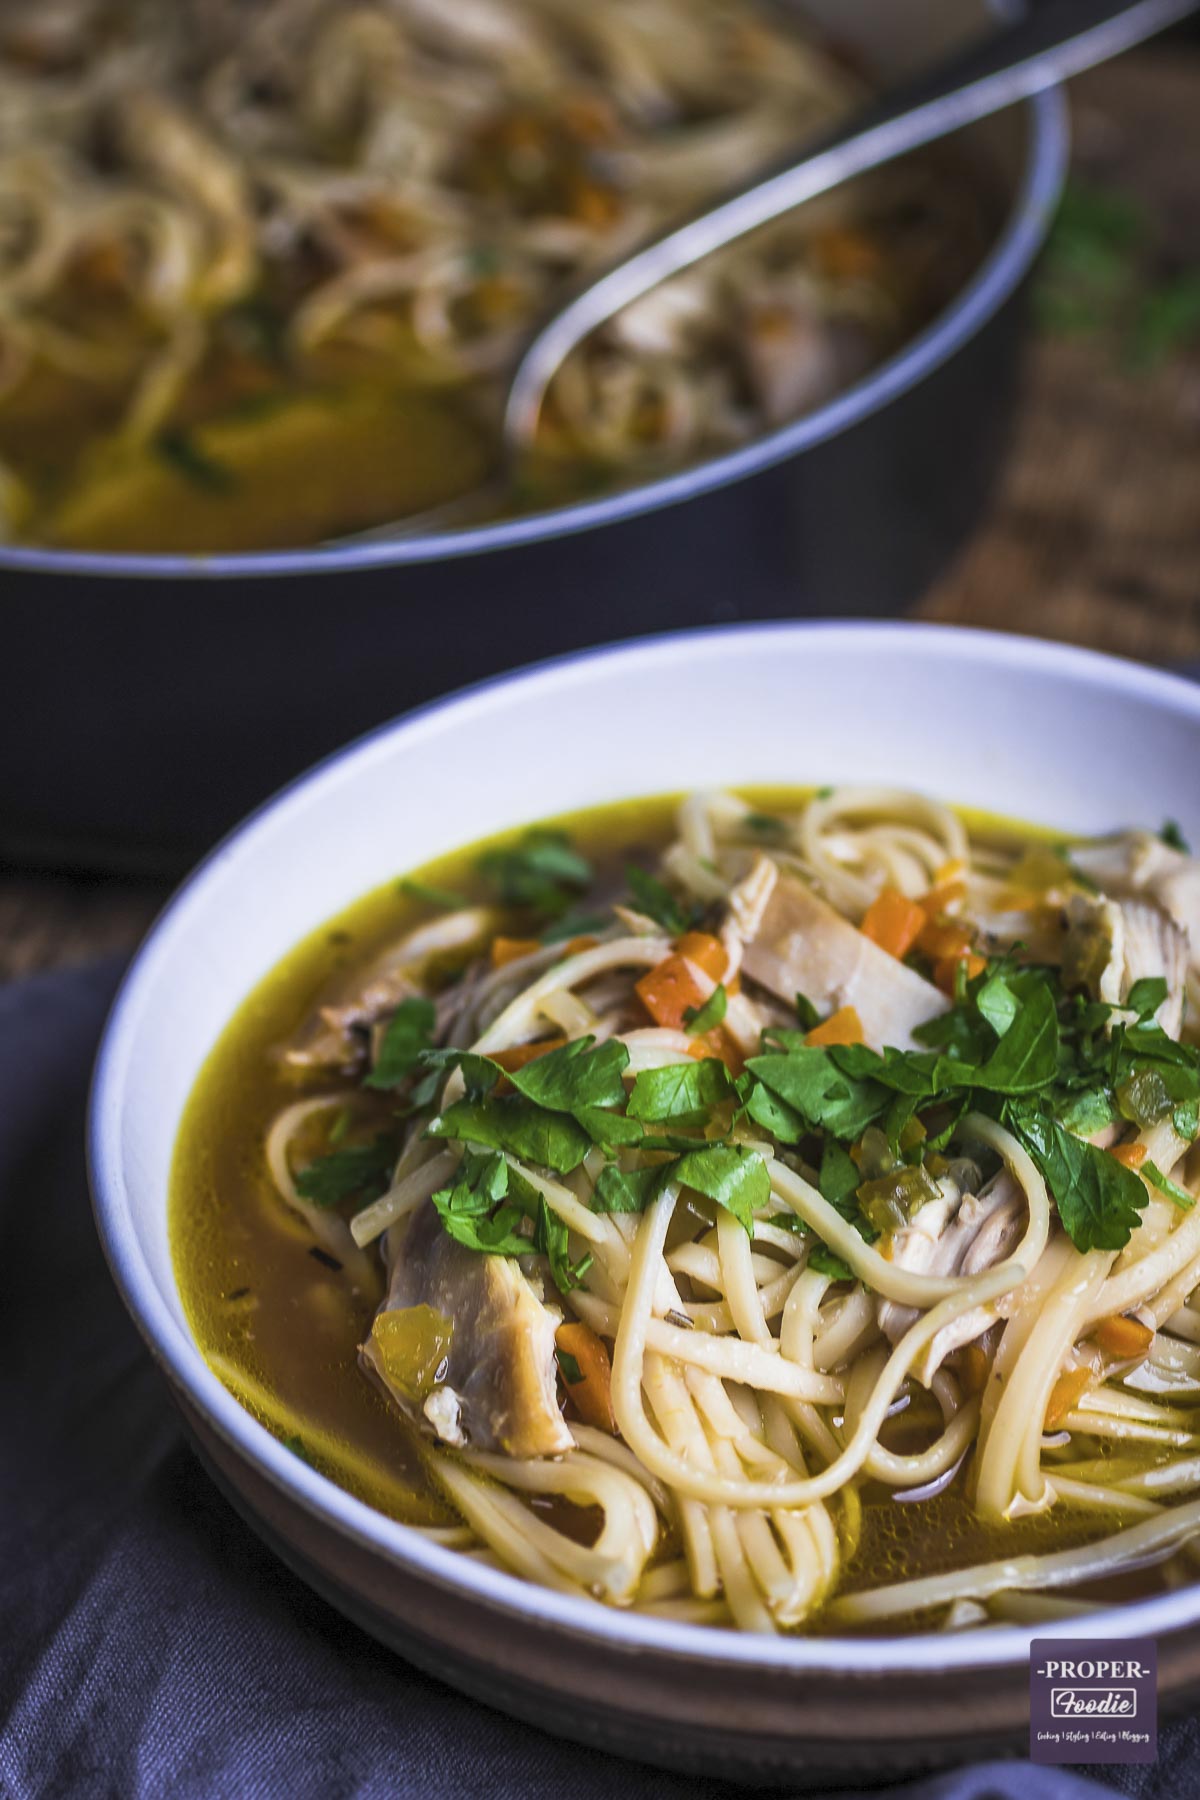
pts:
[1053, 41]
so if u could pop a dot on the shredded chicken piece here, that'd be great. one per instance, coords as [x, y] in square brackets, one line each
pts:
[334, 1036]
[801, 945]
[500, 1380]
[956, 1234]
[1110, 944]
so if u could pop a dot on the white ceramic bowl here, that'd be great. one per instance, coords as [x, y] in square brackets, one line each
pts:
[1038, 731]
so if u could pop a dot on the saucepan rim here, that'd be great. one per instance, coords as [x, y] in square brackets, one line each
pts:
[1035, 198]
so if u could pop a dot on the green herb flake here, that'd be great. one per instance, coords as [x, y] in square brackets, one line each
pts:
[627, 1190]
[653, 898]
[515, 1125]
[1165, 1185]
[699, 1019]
[1099, 1200]
[408, 1033]
[542, 870]
[680, 1091]
[827, 1262]
[729, 1174]
[362, 1172]
[181, 451]
[487, 1207]
[429, 895]
[576, 924]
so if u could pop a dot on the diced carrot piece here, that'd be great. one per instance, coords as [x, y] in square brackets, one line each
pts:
[578, 945]
[1120, 1336]
[893, 922]
[952, 870]
[939, 939]
[706, 951]
[944, 899]
[517, 1055]
[945, 969]
[1067, 1391]
[842, 1027]
[719, 1044]
[668, 990]
[1132, 1155]
[508, 949]
[591, 1395]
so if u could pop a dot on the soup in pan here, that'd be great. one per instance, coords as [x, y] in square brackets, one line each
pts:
[264, 271]
[774, 1211]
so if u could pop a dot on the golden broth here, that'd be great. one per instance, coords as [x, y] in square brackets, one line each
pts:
[281, 1329]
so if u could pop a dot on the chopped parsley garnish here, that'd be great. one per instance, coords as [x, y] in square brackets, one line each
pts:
[700, 1019]
[574, 924]
[870, 1129]
[426, 891]
[183, 453]
[487, 1206]
[542, 870]
[655, 899]
[1170, 1188]
[360, 1172]
[409, 1031]
[1174, 838]
[681, 1092]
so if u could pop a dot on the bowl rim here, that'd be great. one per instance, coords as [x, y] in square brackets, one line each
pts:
[623, 1632]
[1035, 196]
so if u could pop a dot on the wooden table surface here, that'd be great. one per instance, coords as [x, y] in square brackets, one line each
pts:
[1093, 535]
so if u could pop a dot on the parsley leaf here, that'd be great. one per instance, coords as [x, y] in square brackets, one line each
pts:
[576, 924]
[553, 1239]
[1165, 1185]
[1099, 1200]
[627, 1190]
[408, 1033]
[827, 1262]
[1026, 1057]
[575, 1075]
[481, 1211]
[700, 1019]
[998, 1004]
[542, 870]
[838, 1180]
[362, 1172]
[528, 1132]
[1145, 997]
[1174, 838]
[813, 1085]
[735, 1177]
[425, 891]
[680, 1091]
[655, 899]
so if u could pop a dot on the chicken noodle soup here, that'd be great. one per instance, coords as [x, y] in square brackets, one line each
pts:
[774, 1211]
[264, 271]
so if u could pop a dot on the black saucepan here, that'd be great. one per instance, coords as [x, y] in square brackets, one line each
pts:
[147, 702]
